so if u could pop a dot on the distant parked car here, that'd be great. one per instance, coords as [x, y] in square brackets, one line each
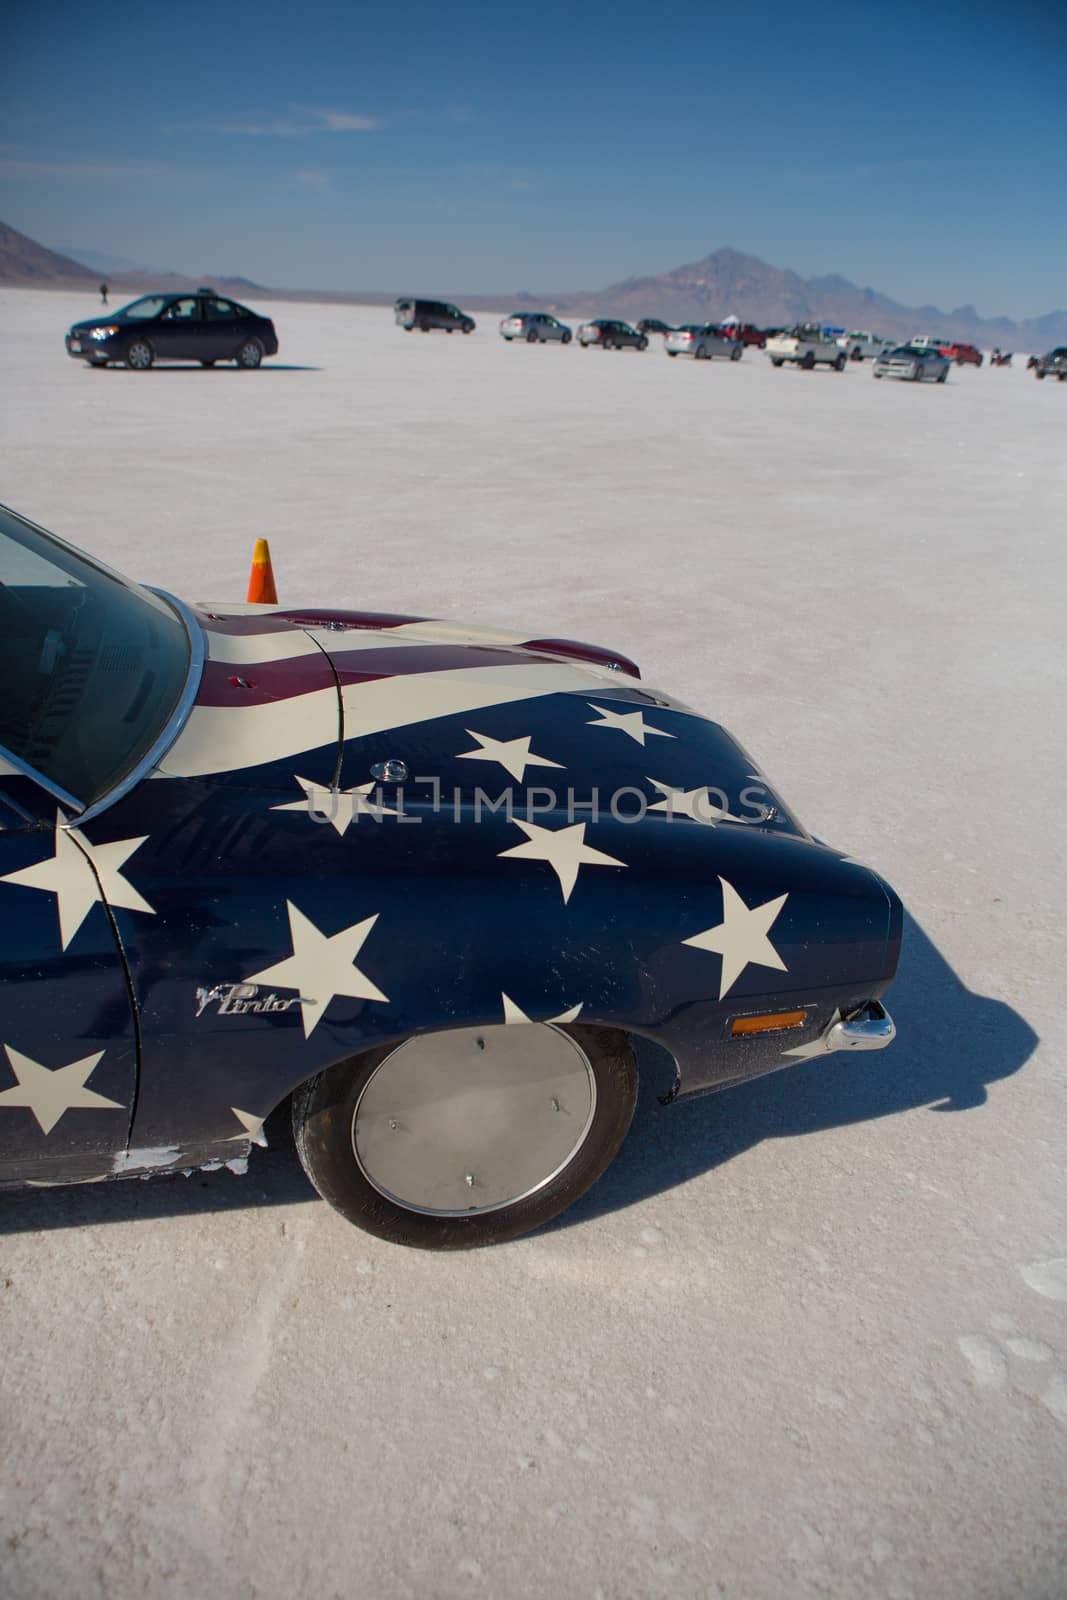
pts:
[807, 345]
[536, 327]
[702, 341]
[610, 334]
[748, 333]
[1052, 365]
[653, 325]
[859, 345]
[427, 314]
[928, 341]
[915, 363]
[202, 327]
[964, 355]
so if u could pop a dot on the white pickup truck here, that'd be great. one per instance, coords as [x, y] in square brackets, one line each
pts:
[806, 346]
[859, 345]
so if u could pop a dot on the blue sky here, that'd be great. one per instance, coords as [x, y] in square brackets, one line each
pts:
[920, 149]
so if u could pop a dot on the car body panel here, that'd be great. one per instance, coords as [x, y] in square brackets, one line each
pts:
[187, 327]
[611, 333]
[703, 343]
[917, 365]
[371, 826]
[535, 326]
[426, 315]
[805, 345]
[1053, 364]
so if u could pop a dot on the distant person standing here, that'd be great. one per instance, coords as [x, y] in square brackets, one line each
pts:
[103, 294]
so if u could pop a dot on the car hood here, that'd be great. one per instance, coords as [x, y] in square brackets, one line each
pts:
[295, 701]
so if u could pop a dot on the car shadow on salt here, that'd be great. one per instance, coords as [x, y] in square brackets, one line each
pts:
[951, 1044]
[268, 366]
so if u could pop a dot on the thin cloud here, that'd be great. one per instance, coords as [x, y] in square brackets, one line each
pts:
[88, 171]
[298, 123]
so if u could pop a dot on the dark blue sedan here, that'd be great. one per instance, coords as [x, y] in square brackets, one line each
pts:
[427, 885]
[202, 327]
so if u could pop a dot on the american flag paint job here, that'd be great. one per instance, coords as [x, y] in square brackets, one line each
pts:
[263, 852]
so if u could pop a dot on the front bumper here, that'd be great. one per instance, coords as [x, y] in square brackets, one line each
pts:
[82, 347]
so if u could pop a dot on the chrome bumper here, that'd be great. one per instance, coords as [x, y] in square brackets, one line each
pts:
[871, 1028]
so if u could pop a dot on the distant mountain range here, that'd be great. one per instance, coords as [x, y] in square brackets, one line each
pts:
[724, 283]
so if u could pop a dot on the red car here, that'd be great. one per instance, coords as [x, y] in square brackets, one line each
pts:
[747, 332]
[964, 355]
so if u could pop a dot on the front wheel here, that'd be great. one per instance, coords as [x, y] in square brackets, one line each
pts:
[839, 363]
[531, 336]
[469, 1137]
[566, 338]
[1038, 372]
[942, 375]
[672, 354]
[809, 361]
[250, 355]
[642, 343]
[735, 353]
[776, 363]
[920, 374]
[139, 355]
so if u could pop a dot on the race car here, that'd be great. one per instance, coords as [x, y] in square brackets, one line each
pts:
[428, 884]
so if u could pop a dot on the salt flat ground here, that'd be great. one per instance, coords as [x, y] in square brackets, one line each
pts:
[808, 1338]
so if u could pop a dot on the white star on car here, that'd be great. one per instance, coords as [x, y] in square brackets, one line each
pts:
[50, 1091]
[564, 849]
[252, 1125]
[512, 754]
[321, 965]
[693, 803]
[338, 806]
[514, 1013]
[632, 723]
[81, 875]
[741, 937]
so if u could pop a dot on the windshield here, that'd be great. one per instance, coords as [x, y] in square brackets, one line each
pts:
[91, 666]
[150, 305]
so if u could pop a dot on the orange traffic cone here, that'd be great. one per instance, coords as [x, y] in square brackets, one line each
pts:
[261, 588]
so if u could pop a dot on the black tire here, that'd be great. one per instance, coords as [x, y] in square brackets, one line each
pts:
[566, 339]
[736, 353]
[942, 375]
[324, 1120]
[249, 355]
[642, 343]
[808, 362]
[775, 362]
[531, 336]
[1060, 376]
[207, 363]
[877, 375]
[839, 362]
[1038, 372]
[920, 373]
[99, 365]
[468, 328]
[672, 354]
[138, 355]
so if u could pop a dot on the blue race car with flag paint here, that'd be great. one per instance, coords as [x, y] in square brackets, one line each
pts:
[430, 884]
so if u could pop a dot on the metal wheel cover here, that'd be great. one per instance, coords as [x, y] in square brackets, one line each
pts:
[473, 1120]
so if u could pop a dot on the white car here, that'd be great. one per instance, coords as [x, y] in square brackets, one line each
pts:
[806, 346]
[926, 341]
[536, 327]
[859, 345]
[913, 362]
[702, 341]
